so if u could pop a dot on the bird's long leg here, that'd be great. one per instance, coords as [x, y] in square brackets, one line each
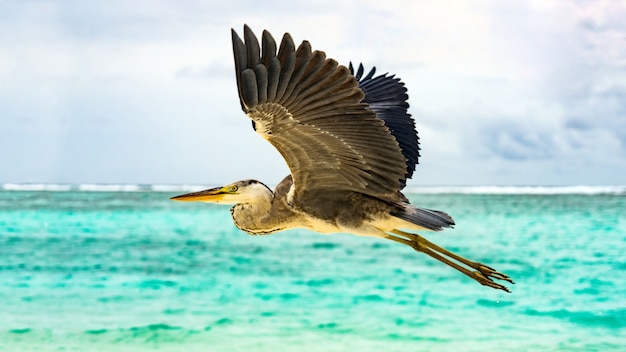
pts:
[482, 273]
[486, 270]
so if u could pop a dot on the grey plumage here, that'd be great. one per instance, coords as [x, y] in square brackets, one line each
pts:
[348, 141]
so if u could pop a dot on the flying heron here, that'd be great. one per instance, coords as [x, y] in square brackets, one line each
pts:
[350, 146]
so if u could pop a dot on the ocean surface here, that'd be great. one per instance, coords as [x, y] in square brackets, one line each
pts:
[123, 268]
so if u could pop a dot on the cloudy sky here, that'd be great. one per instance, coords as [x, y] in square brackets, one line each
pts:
[503, 92]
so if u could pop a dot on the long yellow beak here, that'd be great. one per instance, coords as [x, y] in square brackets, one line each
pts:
[209, 195]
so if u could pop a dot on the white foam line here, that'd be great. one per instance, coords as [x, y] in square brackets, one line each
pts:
[109, 188]
[36, 187]
[589, 190]
[548, 190]
[177, 188]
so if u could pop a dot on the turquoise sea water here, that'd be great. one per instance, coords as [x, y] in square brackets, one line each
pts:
[134, 271]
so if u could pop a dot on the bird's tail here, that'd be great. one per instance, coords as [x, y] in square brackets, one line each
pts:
[433, 220]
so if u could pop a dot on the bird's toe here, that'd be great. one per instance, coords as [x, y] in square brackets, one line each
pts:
[490, 272]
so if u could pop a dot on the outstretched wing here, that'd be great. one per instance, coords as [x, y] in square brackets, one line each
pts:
[387, 97]
[311, 110]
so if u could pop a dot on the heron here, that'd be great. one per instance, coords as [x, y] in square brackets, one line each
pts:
[350, 145]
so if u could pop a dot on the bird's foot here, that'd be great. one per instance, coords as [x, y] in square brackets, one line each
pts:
[492, 273]
[484, 276]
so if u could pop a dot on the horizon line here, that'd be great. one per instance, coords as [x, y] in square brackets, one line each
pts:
[420, 189]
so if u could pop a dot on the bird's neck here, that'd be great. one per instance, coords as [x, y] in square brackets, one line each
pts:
[253, 217]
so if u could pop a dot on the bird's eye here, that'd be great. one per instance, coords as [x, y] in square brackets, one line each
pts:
[233, 188]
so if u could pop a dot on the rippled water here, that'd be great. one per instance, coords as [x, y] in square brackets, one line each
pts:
[135, 271]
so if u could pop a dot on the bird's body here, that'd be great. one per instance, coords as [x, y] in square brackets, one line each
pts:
[349, 143]
[354, 213]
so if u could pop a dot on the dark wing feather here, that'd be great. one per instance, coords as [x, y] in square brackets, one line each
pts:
[310, 108]
[387, 97]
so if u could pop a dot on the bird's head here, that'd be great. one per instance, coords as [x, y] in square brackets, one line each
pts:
[240, 192]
